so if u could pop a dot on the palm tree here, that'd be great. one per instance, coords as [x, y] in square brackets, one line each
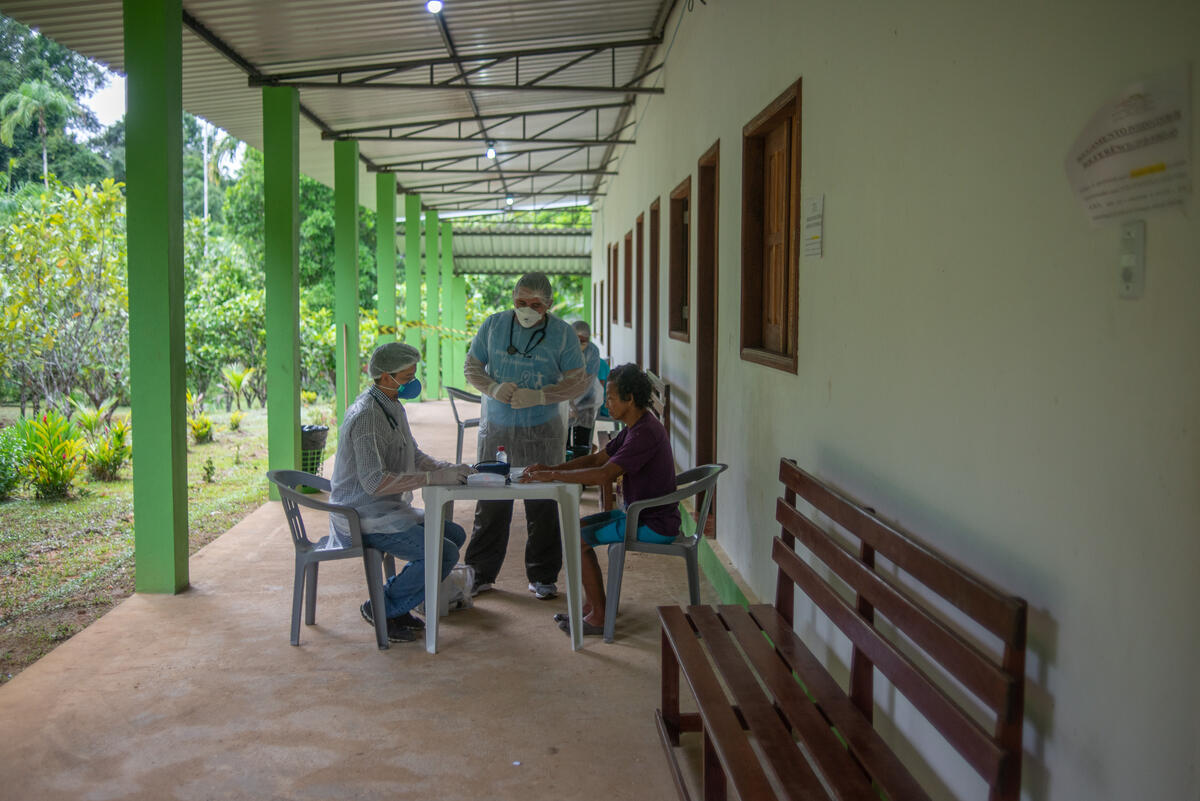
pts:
[33, 100]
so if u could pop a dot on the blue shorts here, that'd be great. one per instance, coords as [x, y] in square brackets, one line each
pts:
[609, 527]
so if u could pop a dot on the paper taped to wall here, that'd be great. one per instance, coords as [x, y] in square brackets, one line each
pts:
[1133, 155]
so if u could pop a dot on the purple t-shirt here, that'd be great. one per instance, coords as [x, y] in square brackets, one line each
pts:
[643, 452]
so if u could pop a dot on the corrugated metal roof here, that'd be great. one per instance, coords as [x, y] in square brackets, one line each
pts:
[273, 37]
[515, 248]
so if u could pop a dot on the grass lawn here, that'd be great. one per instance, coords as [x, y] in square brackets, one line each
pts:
[65, 563]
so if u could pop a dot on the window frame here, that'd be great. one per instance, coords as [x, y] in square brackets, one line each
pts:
[628, 279]
[679, 264]
[786, 108]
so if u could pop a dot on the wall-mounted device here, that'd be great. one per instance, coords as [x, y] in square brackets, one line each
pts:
[1132, 267]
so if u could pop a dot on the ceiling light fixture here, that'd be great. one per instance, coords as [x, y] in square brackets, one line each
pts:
[434, 6]
[491, 151]
[509, 200]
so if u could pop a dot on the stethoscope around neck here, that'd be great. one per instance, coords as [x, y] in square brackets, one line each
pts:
[535, 338]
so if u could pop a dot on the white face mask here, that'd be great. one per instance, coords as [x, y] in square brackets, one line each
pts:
[527, 317]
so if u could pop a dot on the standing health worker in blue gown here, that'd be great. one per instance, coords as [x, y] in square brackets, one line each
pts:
[527, 364]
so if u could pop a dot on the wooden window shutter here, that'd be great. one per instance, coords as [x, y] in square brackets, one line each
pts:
[777, 189]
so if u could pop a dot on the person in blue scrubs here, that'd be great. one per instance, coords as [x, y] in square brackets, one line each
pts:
[527, 364]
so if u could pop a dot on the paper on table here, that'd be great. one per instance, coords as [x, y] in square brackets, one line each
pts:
[485, 480]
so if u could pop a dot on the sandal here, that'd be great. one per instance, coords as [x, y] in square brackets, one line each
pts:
[589, 629]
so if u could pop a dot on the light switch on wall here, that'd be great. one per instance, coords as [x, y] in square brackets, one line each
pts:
[1131, 266]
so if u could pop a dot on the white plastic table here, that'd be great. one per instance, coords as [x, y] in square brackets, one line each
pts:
[567, 496]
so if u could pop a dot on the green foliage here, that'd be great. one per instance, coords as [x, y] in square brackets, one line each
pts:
[63, 301]
[206, 151]
[307, 397]
[54, 455]
[90, 420]
[224, 321]
[12, 456]
[108, 452]
[201, 428]
[488, 294]
[235, 420]
[194, 403]
[243, 210]
[210, 470]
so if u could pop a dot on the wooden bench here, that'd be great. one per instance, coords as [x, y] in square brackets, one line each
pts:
[775, 723]
[660, 404]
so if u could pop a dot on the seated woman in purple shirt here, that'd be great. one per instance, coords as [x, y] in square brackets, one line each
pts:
[641, 455]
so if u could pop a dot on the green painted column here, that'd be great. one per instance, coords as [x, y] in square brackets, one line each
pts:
[385, 251]
[281, 234]
[412, 274]
[154, 229]
[447, 339]
[587, 299]
[345, 270]
[433, 308]
[459, 306]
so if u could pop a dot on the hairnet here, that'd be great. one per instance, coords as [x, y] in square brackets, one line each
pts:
[581, 327]
[538, 284]
[392, 357]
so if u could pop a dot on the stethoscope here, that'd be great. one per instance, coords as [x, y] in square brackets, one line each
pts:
[535, 339]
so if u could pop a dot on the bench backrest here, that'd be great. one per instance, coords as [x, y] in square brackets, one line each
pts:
[848, 550]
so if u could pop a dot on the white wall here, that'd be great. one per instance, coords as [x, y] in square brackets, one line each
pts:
[965, 363]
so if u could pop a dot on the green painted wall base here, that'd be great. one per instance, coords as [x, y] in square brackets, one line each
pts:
[712, 566]
[714, 570]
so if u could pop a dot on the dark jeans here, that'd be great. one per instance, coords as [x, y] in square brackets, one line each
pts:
[489, 540]
[406, 589]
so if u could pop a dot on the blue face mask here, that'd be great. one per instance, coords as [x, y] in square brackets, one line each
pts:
[409, 391]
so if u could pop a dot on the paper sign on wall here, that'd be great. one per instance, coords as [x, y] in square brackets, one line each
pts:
[1132, 156]
[814, 221]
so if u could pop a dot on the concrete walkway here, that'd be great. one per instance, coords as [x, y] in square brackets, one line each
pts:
[200, 695]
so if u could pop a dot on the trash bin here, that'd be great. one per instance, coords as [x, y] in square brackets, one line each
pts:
[312, 448]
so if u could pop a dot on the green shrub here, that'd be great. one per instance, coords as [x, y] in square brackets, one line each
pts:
[235, 419]
[91, 421]
[210, 470]
[202, 429]
[54, 455]
[12, 454]
[109, 452]
[307, 397]
[195, 403]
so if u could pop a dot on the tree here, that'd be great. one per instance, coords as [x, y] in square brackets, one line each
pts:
[26, 55]
[109, 147]
[244, 221]
[34, 99]
[64, 306]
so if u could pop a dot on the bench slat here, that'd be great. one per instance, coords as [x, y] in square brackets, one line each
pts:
[784, 758]
[847, 779]
[999, 612]
[975, 670]
[865, 743]
[720, 723]
[968, 738]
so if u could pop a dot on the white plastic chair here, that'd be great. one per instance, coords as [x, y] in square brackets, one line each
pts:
[309, 555]
[463, 422]
[696, 481]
